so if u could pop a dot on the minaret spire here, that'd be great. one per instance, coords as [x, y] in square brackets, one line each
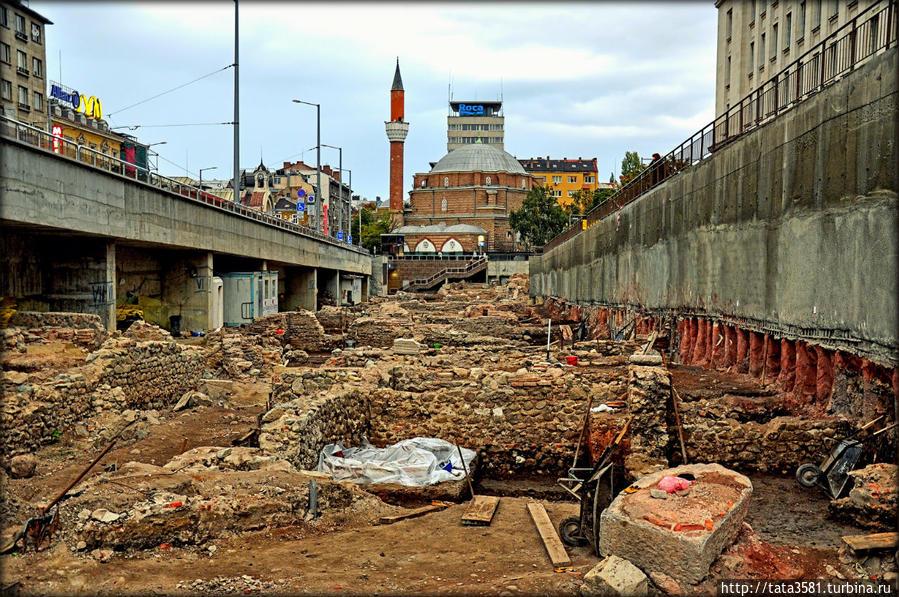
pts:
[397, 129]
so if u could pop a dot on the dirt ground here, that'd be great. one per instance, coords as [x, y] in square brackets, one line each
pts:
[432, 554]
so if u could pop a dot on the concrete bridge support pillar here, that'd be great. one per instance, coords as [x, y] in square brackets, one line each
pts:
[108, 310]
[300, 288]
[329, 285]
[187, 290]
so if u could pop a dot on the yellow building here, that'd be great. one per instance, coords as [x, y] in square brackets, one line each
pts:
[564, 177]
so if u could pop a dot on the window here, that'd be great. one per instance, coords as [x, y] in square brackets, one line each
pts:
[836, 10]
[751, 57]
[557, 193]
[727, 73]
[23, 97]
[752, 12]
[487, 180]
[443, 204]
[22, 61]
[764, 8]
[20, 24]
[38, 101]
[35, 32]
[37, 67]
[4, 53]
[589, 179]
[4, 16]
[6, 89]
[801, 20]
[730, 23]
[816, 19]
[762, 52]
[446, 181]
[788, 31]
[774, 42]
[572, 179]
[557, 180]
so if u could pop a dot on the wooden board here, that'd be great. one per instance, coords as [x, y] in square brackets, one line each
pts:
[557, 554]
[480, 510]
[873, 541]
[411, 513]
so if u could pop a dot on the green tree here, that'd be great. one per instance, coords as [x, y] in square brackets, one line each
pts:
[540, 218]
[372, 227]
[630, 166]
[585, 200]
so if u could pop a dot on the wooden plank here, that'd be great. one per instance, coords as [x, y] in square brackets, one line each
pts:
[411, 513]
[480, 510]
[557, 554]
[873, 541]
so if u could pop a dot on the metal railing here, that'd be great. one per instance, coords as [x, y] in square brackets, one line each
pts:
[472, 267]
[870, 31]
[433, 257]
[86, 156]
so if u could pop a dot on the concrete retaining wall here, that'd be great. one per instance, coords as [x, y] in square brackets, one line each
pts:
[791, 229]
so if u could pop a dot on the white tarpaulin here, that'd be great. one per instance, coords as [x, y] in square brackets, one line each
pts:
[416, 461]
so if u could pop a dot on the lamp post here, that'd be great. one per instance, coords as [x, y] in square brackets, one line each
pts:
[201, 173]
[350, 203]
[318, 158]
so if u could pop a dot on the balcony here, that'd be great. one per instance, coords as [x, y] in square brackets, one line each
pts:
[24, 106]
[22, 70]
[20, 35]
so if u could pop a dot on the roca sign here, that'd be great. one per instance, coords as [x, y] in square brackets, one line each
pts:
[89, 106]
[471, 109]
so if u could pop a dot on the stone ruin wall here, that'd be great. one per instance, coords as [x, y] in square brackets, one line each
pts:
[821, 393]
[122, 374]
[81, 329]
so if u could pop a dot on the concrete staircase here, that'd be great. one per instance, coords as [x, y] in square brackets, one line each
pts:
[472, 267]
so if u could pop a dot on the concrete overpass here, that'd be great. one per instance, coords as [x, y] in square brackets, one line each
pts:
[81, 230]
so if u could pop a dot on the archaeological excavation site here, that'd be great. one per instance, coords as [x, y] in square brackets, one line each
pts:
[472, 440]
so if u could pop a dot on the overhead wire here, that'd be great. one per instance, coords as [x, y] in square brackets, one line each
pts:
[134, 127]
[169, 91]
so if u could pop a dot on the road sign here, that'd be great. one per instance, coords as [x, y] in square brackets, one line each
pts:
[311, 199]
[301, 207]
[480, 243]
[301, 193]
[340, 236]
[349, 238]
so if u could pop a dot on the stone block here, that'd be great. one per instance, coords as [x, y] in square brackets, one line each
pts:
[615, 576]
[407, 346]
[682, 535]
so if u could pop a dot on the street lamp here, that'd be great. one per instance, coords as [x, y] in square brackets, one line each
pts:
[318, 156]
[201, 173]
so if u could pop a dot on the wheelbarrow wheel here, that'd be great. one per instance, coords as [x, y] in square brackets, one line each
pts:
[570, 532]
[808, 474]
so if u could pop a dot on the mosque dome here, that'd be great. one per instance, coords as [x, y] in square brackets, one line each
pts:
[478, 157]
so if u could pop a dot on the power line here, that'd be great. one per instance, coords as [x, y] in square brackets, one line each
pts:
[134, 127]
[170, 90]
[179, 166]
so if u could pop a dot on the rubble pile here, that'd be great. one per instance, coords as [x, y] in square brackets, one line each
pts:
[205, 493]
[872, 500]
[143, 332]
[239, 356]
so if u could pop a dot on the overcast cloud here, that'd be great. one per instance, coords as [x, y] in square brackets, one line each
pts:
[578, 80]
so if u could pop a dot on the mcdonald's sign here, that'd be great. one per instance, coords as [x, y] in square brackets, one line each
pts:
[89, 106]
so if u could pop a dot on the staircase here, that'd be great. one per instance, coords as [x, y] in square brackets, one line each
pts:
[472, 267]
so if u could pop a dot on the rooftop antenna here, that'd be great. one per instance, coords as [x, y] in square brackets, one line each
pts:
[501, 90]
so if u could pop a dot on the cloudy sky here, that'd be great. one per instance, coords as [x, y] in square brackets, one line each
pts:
[577, 79]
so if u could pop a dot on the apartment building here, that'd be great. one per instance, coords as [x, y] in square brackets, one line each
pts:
[23, 64]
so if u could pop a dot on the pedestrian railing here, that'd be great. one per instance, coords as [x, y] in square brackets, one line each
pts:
[869, 32]
[86, 156]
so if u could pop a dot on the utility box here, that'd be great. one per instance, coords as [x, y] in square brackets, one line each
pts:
[249, 296]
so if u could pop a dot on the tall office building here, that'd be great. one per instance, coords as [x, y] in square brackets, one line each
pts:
[475, 122]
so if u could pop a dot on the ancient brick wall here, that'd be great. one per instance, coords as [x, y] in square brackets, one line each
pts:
[123, 374]
[82, 329]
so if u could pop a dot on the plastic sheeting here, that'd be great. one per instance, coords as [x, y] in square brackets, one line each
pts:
[412, 462]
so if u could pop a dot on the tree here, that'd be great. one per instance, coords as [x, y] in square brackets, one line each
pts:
[540, 218]
[585, 200]
[630, 166]
[372, 227]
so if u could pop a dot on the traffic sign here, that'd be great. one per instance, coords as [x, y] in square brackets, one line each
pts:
[301, 193]
[301, 207]
[349, 238]
[311, 199]
[340, 236]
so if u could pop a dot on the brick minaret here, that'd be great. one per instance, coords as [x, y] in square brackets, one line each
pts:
[397, 129]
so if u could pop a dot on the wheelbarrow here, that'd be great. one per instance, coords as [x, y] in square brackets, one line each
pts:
[833, 473]
[584, 483]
